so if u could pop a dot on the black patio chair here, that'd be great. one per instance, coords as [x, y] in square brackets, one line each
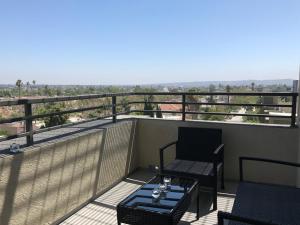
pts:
[199, 155]
[263, 203]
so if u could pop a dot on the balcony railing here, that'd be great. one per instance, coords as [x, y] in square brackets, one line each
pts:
[132, 107]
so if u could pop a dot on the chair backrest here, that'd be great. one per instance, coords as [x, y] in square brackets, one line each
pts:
[197, 144]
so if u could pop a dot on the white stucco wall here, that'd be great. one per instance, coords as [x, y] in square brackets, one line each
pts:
[273, 142]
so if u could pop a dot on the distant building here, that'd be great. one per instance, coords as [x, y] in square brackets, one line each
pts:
[15, 128]
[171, 107]
[165, 89]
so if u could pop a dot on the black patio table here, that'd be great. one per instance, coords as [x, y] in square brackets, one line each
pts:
[140, 208]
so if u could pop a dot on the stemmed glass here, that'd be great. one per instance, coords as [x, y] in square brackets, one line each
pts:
[163, 187]
[156, 193]
[167, 182]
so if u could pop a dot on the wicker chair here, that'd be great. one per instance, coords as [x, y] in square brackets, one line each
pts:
[261, 203]
[199, 155]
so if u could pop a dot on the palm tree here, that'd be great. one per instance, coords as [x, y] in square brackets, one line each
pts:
[19, 85]
[27, 87]
[33, 85]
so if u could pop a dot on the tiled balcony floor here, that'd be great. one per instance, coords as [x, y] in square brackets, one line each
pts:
[102, 210]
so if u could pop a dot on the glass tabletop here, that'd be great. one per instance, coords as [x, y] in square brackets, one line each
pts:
[166, 202]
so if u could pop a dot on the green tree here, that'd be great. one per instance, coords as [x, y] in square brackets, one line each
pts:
[56, 119]
[3, 133]
[137, 88]
[47, 91]
[148, 105]
[27, 87]
[124, 103]
[258, 110]
[214, 117]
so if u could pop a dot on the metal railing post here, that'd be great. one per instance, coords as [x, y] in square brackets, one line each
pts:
[28, 123]
[183, 106]
[114, 110]
[294, 109]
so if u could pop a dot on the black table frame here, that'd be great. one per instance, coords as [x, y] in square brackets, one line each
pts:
[155, 218]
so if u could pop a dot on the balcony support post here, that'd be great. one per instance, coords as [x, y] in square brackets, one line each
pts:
[114, 110]
[294, 109]
[183, 106]
[28, 123]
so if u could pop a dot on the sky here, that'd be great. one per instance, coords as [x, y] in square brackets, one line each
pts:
[148, 41]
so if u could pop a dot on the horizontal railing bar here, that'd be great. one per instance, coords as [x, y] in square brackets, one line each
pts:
[83, 97]
[10, 137]
[207, 103]
[78, 97]
[12, 120]
[121, 104]
[237, 114]
[59, 126]
[220, 93]
[163, 111]
[29, 117]
[123, 113]
[214, 113]
[68, 111]
[70, 124]
[52, 128]
[10, 103]
[154, 102]
[239, 104]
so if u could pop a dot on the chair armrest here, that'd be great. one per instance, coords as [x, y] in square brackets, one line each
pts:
[219, 150]
[243, 158]
[161, 154]
[229, 216]
[168, 145]
[218, 154]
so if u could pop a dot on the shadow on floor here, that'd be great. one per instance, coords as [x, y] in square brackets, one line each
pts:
[103, 209]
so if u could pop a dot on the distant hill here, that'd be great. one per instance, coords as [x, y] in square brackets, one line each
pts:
[288, 82]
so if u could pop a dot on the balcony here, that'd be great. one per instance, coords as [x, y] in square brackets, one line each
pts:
[77, 173]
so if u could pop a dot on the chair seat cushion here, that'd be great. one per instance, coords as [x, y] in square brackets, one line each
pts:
[268, 203]
[191, 167]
